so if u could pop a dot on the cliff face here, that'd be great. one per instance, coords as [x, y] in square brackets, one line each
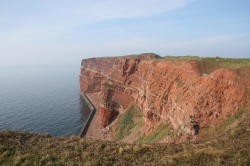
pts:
[167, 92]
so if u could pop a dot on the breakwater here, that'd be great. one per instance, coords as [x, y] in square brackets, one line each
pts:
[90, 117]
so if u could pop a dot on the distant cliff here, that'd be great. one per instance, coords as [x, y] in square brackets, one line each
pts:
[190, 93]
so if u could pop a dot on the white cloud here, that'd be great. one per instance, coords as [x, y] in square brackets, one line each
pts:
[82, 12]
[46, 20]
[88, 11]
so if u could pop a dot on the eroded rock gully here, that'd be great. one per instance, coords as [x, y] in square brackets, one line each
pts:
[166, 91]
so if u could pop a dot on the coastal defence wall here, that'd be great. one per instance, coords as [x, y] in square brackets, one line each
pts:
[90, 117]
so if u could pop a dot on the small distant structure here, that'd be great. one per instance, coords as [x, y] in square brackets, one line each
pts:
[217, 58]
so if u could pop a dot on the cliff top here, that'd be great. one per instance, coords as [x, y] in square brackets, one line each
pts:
[206, 65]
[143, 56]
[210, 64]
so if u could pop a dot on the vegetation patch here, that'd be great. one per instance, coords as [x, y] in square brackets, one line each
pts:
[228, 125]
[132, 56]
[180, 82]
[157, 135]
[177, 58]
[212, 64]
[106, 85]
[127, 121]
[230, 121]
[22, 148]
[244, 71]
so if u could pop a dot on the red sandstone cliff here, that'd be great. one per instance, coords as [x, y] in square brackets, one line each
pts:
[167, 92]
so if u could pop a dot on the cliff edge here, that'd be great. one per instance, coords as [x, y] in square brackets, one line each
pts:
[190, 94]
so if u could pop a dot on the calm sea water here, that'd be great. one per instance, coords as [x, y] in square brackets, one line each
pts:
[42, 99]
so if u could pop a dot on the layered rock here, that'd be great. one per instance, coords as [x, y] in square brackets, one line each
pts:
[167, 92]
[109, 115]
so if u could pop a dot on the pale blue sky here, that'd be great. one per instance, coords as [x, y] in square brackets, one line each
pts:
[60, 32]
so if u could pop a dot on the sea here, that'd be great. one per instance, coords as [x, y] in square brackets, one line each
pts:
[42, 100]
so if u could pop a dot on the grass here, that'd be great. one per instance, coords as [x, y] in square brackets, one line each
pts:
[230, 147]
[178, 58]
[127, 121]
[157, 135]
[244, 71]
[227, 125]
[210, 64]
[106, 85]
[21, 148]
[230, 121]
[180, 82]
[126, 56]
[133, 56]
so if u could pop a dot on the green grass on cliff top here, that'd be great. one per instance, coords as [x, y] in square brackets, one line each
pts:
[126, 56]
[134, 56]
[210, 64]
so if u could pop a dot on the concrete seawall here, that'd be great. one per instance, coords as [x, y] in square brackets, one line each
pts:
[90, 117]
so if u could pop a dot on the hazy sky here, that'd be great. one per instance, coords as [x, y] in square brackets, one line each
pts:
[60, 32]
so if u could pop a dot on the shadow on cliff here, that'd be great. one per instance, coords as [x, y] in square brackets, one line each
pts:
[114, 116]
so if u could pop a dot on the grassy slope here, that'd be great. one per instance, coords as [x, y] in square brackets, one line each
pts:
[128, 128]
[128, 125]
[159, 133]
[232, 147]
[211, 64]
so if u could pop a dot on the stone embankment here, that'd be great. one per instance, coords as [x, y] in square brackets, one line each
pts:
[90, 117]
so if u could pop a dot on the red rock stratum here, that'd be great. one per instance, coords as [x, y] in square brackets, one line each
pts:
[188, 94]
